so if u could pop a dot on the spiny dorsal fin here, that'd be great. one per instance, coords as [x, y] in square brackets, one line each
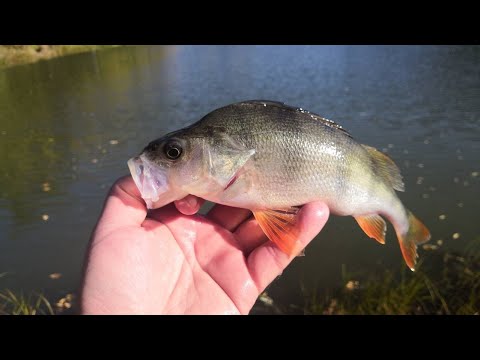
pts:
[263, 103]
[327, 122]
[386, 168]
[284, 106]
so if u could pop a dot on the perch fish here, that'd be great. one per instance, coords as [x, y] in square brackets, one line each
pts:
[271, 158]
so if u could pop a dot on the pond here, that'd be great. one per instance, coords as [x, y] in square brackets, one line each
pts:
[69, 125]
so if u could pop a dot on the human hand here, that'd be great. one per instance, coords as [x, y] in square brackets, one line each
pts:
[170, 261]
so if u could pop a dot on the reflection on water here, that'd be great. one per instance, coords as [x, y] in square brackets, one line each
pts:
[68, 126]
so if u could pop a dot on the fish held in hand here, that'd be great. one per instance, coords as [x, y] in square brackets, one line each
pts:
[272, 158]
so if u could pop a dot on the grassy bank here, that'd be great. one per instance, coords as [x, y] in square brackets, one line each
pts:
[445, 283]
[22, 54]
[34, 303]
[19, 304]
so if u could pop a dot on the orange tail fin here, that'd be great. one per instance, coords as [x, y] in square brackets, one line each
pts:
[417, 234]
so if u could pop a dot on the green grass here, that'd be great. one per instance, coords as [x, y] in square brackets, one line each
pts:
[445, 283]
[382, 295]
[19, 304]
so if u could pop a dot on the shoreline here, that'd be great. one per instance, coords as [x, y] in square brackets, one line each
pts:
[12, 55]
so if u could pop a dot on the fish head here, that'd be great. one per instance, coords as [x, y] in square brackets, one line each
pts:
[164, 168]
[186, 162]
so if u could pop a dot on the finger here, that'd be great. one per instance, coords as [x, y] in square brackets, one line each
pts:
[189, 205]
[228, 217]
[267, 261]
[250, 236]
[164, 212]
[123, 207]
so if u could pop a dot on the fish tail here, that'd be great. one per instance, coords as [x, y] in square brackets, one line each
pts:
[416, 234]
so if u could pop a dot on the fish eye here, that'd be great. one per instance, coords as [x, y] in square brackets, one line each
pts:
[173, 150]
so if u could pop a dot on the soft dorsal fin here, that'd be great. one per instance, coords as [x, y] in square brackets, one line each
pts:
[386, 168]
[286, 107]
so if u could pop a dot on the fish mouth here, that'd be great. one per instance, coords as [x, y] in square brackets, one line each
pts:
[151, 181]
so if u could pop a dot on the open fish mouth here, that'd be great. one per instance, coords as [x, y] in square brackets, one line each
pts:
[151, 181]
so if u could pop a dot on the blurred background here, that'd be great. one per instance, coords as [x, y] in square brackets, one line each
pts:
[69, 124]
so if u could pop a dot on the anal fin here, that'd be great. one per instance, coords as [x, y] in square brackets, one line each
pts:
[374, 226]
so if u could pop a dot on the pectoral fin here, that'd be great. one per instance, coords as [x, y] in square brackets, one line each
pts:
[225, 159]
[374, 226]
[279, 226]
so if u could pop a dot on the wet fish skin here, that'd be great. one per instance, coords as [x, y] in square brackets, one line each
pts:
[264, 155]
[298, 157]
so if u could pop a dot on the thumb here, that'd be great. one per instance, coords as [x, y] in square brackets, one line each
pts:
[267, 261]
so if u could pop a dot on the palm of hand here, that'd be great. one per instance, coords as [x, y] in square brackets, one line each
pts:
[171, 263]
